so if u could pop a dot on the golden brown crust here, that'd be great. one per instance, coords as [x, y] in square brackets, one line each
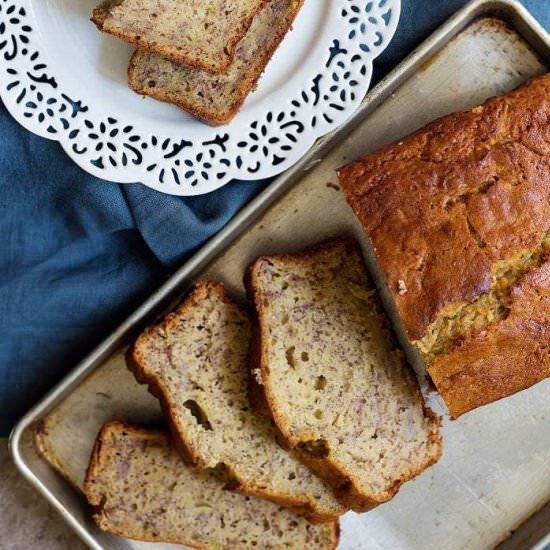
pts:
[335, 533]
[441, 207]
[190, 455]
[101, 14]
[256, 395]
[341, 480]
[444, 203]
[473, 374]
[244, 86]
[94, 465]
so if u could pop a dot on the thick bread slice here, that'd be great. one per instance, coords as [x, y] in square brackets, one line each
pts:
[142, 490]
[356, 415]
[216, 98]
[199, 33]
[195, 361]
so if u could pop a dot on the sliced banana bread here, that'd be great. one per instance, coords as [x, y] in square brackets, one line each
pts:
[195, 361]
[458, 214]
[142, 490]
[216, 98]
[333, 379]
[202, 34]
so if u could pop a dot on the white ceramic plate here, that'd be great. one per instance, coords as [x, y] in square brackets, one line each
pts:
[64, 80]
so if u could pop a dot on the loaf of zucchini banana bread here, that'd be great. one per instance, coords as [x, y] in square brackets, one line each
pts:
[458, 214]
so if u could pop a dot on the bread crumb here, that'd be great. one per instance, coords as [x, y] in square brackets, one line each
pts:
[401, 287]
[257, 373]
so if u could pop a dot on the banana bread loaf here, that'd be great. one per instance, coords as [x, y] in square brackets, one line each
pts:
[142, 490]
[336, 385]
[459, 217]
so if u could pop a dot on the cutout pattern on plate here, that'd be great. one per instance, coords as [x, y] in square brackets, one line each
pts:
[119, 151]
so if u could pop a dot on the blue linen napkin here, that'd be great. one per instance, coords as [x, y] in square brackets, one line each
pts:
[77, 254]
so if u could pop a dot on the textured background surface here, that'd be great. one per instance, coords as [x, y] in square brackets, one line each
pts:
[26, 519]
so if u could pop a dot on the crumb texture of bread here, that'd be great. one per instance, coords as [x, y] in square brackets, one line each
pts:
[200, 33]
[458, 214]
[337, 386]
[141, 490]
[196, 360]
[216, 98]
[522, 339]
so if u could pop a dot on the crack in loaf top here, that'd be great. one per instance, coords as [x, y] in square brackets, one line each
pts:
[446, 203]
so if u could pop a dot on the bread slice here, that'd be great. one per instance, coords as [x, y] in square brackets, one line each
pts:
[202, 34]
[142, 490]
[216, 99]
[356, 415]
[195, 361]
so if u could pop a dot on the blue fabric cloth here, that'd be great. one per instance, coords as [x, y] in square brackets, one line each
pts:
[77, 254]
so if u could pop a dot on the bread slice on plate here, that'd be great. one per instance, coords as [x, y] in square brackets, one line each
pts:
[216, 99]
[201, 34]
[195, 361]
[332, 377]
[142, 490]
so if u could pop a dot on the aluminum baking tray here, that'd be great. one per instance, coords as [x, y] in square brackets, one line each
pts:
[495, 471]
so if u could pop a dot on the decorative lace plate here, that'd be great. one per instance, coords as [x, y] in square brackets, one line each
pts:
[64, 80]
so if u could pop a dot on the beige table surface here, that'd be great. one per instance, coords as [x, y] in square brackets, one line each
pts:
[27, 521]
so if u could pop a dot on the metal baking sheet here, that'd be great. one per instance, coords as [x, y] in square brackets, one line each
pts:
[495, 470]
